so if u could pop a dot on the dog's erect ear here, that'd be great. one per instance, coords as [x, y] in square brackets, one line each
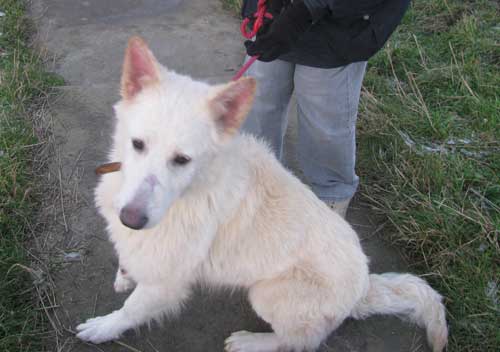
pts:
[231, 104]
[140, 68]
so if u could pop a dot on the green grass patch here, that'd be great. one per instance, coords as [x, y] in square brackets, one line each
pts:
[22, 83]
[429, 156]
[234, 5]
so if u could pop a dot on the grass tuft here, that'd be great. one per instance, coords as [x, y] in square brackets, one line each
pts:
[23, 82]
[233, 5]
[429, 156]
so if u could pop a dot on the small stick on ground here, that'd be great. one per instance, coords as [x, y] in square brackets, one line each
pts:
[61, 198]
[95, 304]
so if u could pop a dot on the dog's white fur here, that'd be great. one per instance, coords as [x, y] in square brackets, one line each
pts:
[232, 216]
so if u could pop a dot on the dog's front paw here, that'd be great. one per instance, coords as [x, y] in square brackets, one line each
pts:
[101, 329]
[244, 341]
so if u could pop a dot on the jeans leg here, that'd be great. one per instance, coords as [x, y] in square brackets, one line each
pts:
[267, 118]
[327, 103]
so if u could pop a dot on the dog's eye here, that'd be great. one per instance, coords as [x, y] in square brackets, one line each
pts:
[181, 159]
[138, 144]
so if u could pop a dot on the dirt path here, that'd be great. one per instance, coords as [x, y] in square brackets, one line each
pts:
[198, 38]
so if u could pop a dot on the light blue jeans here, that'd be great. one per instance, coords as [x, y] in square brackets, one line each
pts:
[327, 108]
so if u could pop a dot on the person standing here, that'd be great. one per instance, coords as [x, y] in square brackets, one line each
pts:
[319, 50]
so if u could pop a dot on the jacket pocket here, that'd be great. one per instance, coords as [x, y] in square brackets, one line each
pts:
[353, 41]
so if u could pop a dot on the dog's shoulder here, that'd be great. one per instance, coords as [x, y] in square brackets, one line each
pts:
[253, 147]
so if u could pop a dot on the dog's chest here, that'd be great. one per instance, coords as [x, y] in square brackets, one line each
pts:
[144, 258]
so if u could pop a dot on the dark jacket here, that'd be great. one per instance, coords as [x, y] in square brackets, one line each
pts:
[343, 31]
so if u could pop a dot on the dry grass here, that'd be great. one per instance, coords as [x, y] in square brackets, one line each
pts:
[27, 289]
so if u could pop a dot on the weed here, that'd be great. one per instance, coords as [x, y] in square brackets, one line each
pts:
[234, 5]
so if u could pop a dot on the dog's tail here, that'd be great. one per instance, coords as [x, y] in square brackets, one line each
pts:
[407, 296]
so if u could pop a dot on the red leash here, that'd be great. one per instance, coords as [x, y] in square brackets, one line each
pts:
[244, 68]
[259, 20]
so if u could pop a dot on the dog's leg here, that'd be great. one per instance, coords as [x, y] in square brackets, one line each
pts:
[301, 312]
[146, 302]
[123, 281]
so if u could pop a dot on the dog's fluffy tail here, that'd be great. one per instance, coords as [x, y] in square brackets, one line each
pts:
[407, 296]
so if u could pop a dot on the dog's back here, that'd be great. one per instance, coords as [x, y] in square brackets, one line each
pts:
[278, 225]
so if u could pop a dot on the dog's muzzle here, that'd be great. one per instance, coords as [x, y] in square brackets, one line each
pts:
[133, 218]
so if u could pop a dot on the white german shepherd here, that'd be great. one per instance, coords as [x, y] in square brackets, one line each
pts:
[195, 201]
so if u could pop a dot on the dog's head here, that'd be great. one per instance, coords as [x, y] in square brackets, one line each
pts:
[169, 127]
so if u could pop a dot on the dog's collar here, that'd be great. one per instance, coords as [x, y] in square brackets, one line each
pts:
[107, 168]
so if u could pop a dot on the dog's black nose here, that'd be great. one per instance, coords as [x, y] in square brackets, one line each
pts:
[133, 218]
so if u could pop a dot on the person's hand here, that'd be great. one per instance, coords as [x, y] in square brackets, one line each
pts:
[282, 33]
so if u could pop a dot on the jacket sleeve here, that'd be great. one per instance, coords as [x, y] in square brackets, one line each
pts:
[318, 8]
[248, 7]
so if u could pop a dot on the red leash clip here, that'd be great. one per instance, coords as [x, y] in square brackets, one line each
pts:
[259, 20]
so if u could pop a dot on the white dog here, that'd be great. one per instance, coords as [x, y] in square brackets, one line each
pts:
[195, 201]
